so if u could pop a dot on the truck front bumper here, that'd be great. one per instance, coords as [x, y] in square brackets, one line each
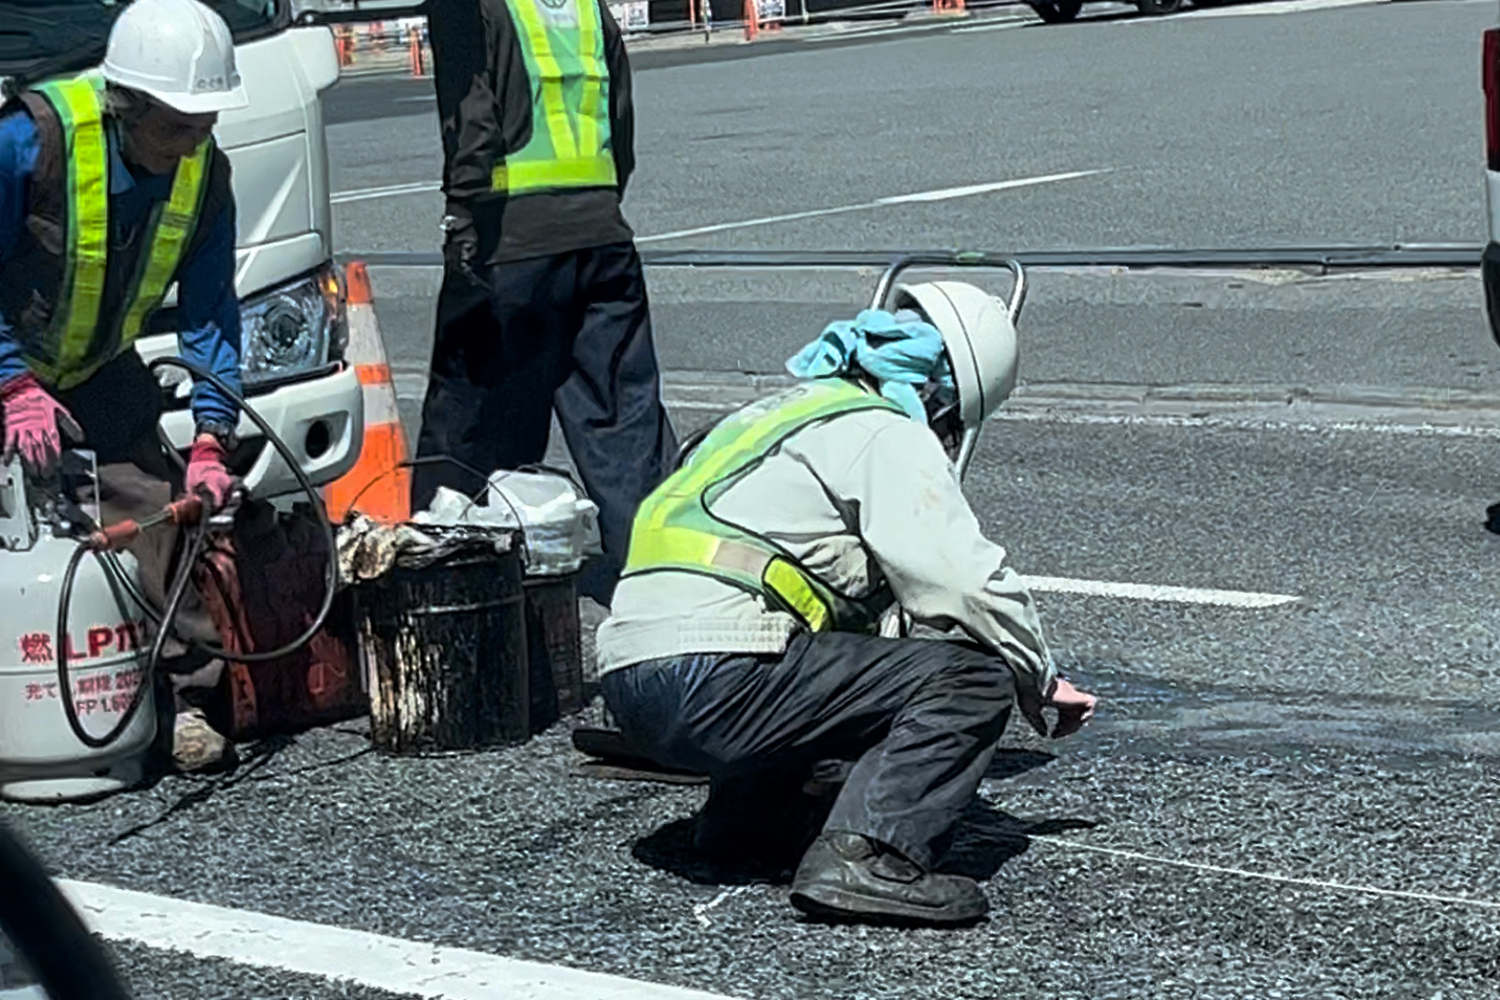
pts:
[321, 421]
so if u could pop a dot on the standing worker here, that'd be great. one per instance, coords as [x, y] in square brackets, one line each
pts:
[742, 645]
[111, 191]
[543, 302]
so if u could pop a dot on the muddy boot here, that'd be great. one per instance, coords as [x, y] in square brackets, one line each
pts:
[846, 876]
[196, 746]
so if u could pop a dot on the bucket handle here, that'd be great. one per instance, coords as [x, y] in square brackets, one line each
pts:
[556, 471]
[412, 463]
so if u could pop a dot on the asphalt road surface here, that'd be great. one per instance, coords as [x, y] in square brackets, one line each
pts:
[1251, 504]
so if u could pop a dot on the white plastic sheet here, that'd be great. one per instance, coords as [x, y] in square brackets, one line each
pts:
[560, 527]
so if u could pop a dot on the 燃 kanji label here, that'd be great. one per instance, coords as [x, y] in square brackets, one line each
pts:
[36, 647]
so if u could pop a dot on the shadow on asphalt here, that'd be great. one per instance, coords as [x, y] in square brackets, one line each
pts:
[253, 760]
[986, 838]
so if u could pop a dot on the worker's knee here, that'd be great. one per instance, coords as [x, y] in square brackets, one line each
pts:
[977, 674]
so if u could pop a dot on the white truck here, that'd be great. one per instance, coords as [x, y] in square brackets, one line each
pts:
[294, 368]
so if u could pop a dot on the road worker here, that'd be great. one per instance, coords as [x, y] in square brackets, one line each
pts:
[543, 306]
[112, 190]
[742, 642]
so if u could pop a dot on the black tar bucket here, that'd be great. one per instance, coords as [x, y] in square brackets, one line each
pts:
[445, 651]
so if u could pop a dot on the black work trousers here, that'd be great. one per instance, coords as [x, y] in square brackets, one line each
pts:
[570, 332]
[920, 716]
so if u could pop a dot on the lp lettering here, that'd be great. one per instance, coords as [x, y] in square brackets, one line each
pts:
[98, 642]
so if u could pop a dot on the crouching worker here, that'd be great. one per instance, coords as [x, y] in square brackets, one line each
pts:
[111, 192]
[743, 640]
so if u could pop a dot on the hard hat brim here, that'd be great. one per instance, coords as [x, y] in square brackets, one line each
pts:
[209, 102]
[204, 104]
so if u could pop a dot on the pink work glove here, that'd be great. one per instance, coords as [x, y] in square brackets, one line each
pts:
[206, 474]
[35, 423]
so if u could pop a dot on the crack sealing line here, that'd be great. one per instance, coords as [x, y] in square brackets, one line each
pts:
[1370, 890]
[701, 910]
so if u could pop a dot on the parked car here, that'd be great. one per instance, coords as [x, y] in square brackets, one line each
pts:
[1058, 11]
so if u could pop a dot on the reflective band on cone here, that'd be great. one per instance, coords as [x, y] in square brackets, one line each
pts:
[376, 487]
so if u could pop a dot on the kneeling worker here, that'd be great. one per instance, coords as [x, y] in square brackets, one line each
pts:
[743, 640]
[111, 191]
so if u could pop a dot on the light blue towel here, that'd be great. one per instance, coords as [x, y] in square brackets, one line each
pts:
[900, 351]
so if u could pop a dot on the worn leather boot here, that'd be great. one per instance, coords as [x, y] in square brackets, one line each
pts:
[847, 876]
[197, 746]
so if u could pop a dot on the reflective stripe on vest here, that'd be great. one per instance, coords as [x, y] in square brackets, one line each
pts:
[675, 528]
[79, 339]
[563, 46]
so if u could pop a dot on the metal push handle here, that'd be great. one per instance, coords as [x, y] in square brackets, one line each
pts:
[956, 259]
[963, 258]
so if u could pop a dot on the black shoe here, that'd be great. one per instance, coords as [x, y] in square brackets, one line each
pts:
[847, 876]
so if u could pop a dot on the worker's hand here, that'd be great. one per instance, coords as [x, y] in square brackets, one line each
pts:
[1074, 708]
[461, 247]
[35, 424]
[207, 475]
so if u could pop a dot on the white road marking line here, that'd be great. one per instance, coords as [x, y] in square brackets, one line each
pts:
[1158, 592]
[894, 29]
[900, 199]
[1254, 9]
[840, 35]
[391, 191]
[698, 404]
[1019, 22]
[1253, 422]
[337, 953]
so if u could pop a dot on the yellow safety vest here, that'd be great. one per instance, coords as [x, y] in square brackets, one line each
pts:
[562, 44]
[78, 341]
[676, 529]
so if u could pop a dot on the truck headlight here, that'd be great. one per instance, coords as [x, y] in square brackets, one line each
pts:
[293, 331]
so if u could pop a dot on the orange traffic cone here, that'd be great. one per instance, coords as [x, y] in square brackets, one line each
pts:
[418, 66]
[344, 37]
[378, 486]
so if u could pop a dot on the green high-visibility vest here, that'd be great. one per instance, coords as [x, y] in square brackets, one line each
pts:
[79, 341]
[563, 46]
[676, 529]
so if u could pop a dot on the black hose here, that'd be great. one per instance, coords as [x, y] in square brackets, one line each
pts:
[331, 579]
[65, 683]
[138, 697]
[163, 618]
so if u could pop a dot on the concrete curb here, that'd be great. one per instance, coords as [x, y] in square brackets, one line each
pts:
[1415, 407]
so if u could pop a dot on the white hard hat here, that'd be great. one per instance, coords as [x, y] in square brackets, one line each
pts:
[179, 52]
[980, 338]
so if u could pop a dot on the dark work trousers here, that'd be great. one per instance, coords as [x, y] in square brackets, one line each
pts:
[570, 332]
[920, 716]
[118, 409]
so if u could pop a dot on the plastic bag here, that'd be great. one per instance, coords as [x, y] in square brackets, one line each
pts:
[560, 527]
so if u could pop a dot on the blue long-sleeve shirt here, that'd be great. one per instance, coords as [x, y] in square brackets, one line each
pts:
[208, 309]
